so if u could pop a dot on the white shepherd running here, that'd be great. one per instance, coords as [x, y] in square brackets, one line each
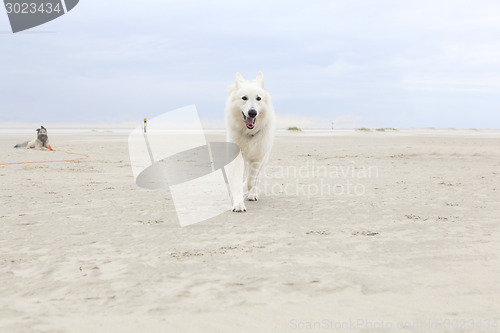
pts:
[250, 122]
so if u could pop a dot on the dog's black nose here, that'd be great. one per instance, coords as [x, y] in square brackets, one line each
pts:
[252, 113]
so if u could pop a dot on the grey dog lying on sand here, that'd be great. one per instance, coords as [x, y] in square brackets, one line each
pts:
[41, 141]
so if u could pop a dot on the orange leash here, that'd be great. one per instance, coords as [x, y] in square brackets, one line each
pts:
[67, 152]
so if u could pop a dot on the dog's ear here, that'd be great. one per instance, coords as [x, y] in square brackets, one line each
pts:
[43, 127]
[239, 79]
[38, 130]
[260, 79]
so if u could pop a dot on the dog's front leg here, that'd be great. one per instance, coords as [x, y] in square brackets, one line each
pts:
[235, 178]
[253, 175]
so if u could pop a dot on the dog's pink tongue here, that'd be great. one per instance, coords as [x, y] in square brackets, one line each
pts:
[249, 121]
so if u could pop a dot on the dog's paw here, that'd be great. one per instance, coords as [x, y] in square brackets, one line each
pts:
[252, 195]
[239, 207]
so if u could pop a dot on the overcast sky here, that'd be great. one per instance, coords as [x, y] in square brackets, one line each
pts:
[358, 63]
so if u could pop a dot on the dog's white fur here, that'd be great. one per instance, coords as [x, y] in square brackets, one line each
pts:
[256, 143]
[37, 144]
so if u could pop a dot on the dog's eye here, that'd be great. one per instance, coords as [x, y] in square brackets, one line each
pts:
[258, 98]
[244, 98]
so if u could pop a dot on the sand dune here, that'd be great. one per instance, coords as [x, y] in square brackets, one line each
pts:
[355, 232]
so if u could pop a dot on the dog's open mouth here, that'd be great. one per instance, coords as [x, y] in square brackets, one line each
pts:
[250, 122]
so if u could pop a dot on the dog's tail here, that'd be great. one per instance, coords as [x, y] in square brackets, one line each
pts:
[22, 145]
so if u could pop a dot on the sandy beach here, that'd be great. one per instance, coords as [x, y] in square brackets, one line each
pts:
[354, 232]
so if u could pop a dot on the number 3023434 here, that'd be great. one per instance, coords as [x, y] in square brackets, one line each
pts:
[32, 8]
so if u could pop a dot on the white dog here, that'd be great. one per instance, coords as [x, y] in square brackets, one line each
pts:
[250, 122]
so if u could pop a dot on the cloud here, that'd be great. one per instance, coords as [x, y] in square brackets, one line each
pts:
[477, 85]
